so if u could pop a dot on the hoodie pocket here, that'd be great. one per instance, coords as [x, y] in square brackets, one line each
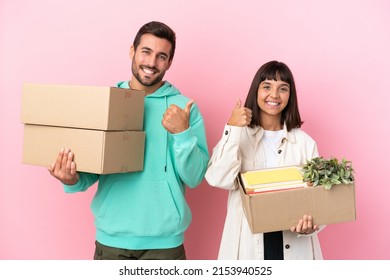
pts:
[140, 210]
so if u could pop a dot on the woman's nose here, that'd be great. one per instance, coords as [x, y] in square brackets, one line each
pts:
[274, 93]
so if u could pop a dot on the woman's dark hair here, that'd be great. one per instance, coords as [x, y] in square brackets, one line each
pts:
[159, 30]
[274, 70]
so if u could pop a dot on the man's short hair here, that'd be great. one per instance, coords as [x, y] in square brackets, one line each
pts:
[160, 30]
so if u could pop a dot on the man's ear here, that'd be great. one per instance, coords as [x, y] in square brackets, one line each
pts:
[132, 52]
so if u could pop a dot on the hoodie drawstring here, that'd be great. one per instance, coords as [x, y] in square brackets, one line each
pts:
[166, 138]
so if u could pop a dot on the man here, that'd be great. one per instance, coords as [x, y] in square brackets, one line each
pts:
[143, 215]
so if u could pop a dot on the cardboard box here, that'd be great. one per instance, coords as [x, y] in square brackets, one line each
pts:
[281, 210]
[90, 107]
[96, 151]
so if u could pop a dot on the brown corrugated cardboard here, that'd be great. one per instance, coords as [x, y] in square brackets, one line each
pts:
[281, 210]
[96, 151]
[90, 107]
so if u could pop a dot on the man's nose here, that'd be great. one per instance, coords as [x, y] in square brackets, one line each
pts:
[151, 61]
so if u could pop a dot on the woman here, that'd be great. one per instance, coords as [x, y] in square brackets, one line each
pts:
[264, 133]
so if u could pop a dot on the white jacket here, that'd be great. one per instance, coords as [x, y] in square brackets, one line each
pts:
[240, 150]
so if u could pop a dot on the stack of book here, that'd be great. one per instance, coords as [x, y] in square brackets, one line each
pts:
[272, 179]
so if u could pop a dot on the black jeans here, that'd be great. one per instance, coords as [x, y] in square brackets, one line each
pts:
[273, 245]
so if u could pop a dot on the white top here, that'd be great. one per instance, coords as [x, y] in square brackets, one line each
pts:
[241, 149]
[271, 141]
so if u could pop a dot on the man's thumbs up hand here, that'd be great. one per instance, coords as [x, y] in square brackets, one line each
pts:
[175, 119]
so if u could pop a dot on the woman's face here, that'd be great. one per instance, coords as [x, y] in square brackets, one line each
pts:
[272, 97]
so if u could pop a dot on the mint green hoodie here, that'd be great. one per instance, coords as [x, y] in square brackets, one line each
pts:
[147, 209]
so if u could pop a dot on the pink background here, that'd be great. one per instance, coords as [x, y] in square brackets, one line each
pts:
[338, 51]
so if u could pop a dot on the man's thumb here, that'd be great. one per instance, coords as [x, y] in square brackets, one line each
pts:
[187, 109]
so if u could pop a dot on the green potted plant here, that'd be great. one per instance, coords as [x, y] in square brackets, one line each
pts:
[327, 172]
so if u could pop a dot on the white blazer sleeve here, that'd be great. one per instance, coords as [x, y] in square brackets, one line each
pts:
[225, 162]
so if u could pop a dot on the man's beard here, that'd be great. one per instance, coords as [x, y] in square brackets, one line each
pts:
[146, 82]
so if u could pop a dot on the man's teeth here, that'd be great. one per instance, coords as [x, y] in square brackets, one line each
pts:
[147, 71]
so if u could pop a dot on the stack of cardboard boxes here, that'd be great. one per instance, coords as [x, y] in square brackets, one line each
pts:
[103, 126]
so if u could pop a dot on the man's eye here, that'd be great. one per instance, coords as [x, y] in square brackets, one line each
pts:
[163, 57]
